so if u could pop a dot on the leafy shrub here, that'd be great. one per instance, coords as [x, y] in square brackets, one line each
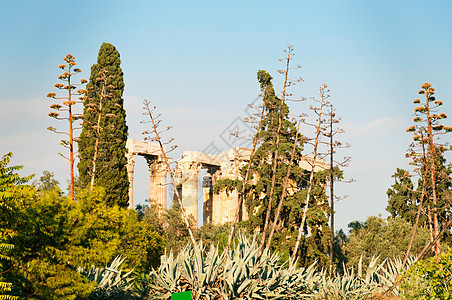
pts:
[429, 279]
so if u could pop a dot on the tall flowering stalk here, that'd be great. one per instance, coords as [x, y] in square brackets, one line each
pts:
[319, 126]
[154, 135]
[427, 130]
[66, 106]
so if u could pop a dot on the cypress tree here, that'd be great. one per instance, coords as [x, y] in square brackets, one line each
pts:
[111, 132]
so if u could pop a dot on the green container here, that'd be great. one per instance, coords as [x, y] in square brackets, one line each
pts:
[181, 296]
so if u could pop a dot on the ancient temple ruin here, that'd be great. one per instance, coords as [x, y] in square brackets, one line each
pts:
[157, 169]
[217, 208]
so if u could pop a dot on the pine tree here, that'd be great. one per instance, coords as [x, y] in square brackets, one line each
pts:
[403, 198]
[110, 171]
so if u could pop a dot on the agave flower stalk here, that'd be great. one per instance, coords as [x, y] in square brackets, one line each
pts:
[156, 133]
[285, 72]
[427, 120]
[67, 105]
[330, 131]
[319, 111]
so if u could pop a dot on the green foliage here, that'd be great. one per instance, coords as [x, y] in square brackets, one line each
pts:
[9, 187]
[443, 186]
[429, 279]
[169, 223]
[403, 199]
[152, 216]
[264, 155]
[111, 161]
[384, 239]
[339, 241]
[176, 232]
[216, 234]
[54, 235]
[139, 243]
[47, 182]
[228, 185]
[354, 226]
[49, 279]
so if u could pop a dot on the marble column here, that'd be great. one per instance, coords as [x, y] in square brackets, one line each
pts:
[190, 173]
[130, 167]
[207, 192]
[157, 174]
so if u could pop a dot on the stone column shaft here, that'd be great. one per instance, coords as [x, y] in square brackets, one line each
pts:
[130, 167]
[190, 172]
[190, 197]
[158, 172]
[207, 195]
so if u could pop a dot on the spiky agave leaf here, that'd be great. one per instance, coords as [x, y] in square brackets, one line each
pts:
[110, 279]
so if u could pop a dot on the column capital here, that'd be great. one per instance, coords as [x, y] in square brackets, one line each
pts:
[130, 161]
[189, 170]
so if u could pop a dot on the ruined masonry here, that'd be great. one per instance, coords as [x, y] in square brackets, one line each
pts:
[217, 208]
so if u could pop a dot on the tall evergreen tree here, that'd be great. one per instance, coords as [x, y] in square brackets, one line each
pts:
[110, 171]
[314, 246]
[404, 197]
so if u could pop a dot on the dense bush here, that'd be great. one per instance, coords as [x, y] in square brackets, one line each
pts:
[53, 235]
[385, 238]
[429, 279]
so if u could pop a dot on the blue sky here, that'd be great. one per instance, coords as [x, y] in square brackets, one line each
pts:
[197, 62]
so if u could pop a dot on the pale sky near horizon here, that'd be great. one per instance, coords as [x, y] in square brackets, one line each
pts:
[197, 62]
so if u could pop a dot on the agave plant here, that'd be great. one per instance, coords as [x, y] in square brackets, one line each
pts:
[392, 270]
[350, 285]
[111, 282]
[240, 274]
